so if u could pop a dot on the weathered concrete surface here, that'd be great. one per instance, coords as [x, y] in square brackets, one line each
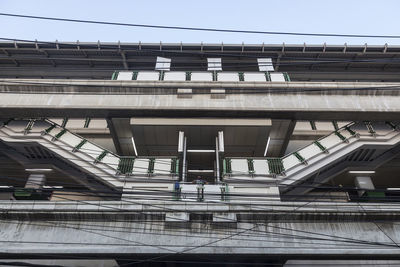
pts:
[59, 262]
[102, 98]
[336, 263]
[75, 230]
[71, 85]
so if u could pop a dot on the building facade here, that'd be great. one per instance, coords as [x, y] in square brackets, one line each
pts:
[176, 154]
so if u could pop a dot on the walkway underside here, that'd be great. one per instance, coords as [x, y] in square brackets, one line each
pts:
[275, 100]
[356, 145]
[130, 230]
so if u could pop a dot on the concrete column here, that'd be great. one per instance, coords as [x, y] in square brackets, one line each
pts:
[181, 152]
[121, 133]
[363, 182]
[280, 134]
[36, 181]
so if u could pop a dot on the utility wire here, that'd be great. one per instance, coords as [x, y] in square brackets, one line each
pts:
[199, 29]
[173, 210]
[167, 163]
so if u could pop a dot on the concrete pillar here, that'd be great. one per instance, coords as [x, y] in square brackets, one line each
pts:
[363, 182]
[36, 181]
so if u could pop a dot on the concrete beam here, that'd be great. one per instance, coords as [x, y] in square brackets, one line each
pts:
[114, 136]
[105, 85]
[122, 135]
[300, 107]
[61, 229]
[280, 134]
[343, 101]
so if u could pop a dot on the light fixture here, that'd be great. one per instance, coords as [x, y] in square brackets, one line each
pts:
[361, 172]
[200, 150]
[134, 146]
[52, 187]
[266, 147]
[205, 171]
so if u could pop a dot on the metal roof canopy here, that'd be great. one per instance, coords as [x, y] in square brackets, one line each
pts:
[98, 60]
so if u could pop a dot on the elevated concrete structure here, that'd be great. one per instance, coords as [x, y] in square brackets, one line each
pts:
[263, 232]
[217, 153]
[139, 98]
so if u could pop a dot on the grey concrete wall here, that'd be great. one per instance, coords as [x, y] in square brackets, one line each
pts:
[90, 228]
[111, 96]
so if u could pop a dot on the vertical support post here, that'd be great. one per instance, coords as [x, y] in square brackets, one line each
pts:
[363, 184]
[184, 165]
[36, 181]
[218, 173]
[181, 144]
[220, 153]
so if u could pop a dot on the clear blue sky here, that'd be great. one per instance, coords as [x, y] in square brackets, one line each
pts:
[339, 16]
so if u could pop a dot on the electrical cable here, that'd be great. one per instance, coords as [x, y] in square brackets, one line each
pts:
[118, 209]
[199, 29]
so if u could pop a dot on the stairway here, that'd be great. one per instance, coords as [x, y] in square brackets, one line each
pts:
[111, 169]
[303, 163]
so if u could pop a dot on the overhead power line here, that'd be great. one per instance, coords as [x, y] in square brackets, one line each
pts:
[199, 28]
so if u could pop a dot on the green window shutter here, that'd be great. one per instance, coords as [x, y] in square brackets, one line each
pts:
[335, 125]
[241, 76]
[87, 121]
[227, 166]
[151, 166]
[275, 165]
[188, 76]
[368, 124]
[286, 75]
[29, 125]
[340, 136]
[350, 130]
[64, 122]
[134, 75]
[114, 75]
[125, 165]
[215, 76]
[102, 155]
[313, 126]
[174, 166]
[78, 146]
[250, 165]
[60, 133]
[299, 157]
[48, 130]
[320, 146]
[267, 76]
[391, 124]
[161, 77]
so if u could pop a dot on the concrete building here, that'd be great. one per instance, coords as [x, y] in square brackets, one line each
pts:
[175, 154]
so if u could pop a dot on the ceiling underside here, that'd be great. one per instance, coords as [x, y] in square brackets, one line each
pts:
[98, 61]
